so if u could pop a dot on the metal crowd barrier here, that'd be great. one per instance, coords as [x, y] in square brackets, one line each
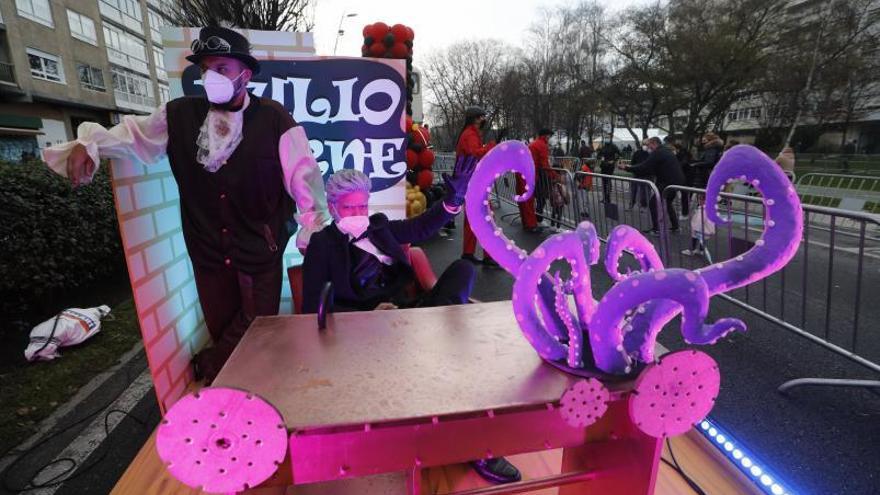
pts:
[628, 201]
[834, 265]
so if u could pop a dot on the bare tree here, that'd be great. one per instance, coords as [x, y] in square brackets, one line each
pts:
[464, 74]
[714, 51]
[268, 15]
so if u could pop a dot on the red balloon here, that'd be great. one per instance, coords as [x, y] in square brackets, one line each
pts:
[377, 50]
[376, 31]
[420, 136]
[399, 50]
[410, 34]
[400, 33]
[380, 29]
[424, 179]
[366, 30]
[426, 133]
[426, 158]
[409, 123]
[412, 159]
[365, 50]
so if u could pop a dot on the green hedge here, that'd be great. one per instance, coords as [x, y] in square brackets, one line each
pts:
[53, 238]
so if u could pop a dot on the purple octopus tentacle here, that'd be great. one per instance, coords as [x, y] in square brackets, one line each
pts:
[783, 219]
[783, 228]
[575, 335]
[509, 156]
[542, 334]
[685, 287]
[581, 284]
[553, 322]
[624, 238]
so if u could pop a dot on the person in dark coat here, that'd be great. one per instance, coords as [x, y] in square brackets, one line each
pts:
[585, 151]
[608, 156]
[363, 257]
[637, 191]
[243, 168]
[663, 165]
[713, 148]
[684, 160]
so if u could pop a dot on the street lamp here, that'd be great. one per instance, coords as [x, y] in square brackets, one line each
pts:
[339, 30]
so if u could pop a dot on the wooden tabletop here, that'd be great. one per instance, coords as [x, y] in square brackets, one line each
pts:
[381, 366]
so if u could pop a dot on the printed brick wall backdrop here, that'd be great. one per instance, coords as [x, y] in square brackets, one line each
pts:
[147, 203]
[161, 275]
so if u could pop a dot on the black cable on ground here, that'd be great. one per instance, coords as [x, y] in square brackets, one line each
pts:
[74, 467]
[674, 465]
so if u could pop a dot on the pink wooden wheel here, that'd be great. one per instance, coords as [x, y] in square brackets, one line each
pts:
[584, 403]
[674, 393]
[222, 440]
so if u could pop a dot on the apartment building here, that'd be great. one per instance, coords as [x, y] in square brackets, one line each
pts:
[64, 62]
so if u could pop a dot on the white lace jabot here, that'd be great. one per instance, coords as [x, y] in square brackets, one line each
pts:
[219, 135]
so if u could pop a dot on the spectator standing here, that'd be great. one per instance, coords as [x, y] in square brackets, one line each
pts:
[586, 151]
[540, 148]
[637, 191]
[470, 143]
[713, 148]
[662, 165]
[608, 156]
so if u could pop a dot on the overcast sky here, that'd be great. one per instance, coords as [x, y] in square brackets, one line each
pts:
[436, 23]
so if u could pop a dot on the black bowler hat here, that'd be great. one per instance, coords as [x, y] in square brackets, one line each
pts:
[218, 41]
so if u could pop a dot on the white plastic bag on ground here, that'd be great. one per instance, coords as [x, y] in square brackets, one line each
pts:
[70, 327]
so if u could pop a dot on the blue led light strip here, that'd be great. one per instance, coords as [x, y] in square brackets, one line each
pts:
[759, 473]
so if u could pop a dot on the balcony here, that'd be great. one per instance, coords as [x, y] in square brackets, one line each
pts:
[7, 73]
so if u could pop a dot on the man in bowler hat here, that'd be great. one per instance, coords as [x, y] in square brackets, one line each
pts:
[242, 165]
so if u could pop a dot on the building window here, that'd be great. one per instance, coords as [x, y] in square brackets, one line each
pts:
[125, 49]
[35, 10]
[156, 21]
[125, 12]
[91, 77]
[82, 27]
[132, 88]
[45, 66]
[159, 59]
[164, 94]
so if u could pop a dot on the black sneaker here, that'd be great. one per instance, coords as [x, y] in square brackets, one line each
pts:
[473, 259]
[652, 232]
[497, 471]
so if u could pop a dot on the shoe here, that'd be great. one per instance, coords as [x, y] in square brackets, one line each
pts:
[473, 259]
[497, 471]
[683, 217]
[490, 263]
[653, 232]
[688, 252]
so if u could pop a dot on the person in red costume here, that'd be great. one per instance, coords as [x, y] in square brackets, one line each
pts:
[540, 149]
[470, 143]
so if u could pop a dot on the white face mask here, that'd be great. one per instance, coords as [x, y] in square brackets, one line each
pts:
[354, 226]
[220, 88]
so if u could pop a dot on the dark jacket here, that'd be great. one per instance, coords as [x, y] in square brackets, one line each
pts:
[708, 159]
[639, 156]
[609, 152]
[663, 165]
[329, 256]
[236, 216]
